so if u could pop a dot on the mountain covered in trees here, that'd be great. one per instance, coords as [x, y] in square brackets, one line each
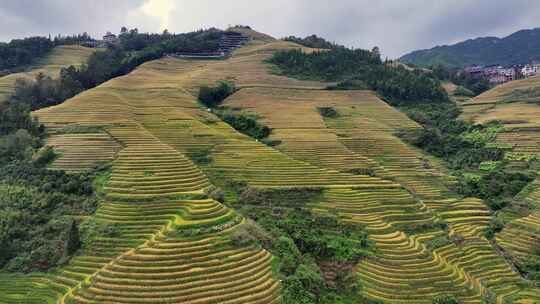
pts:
[519, 48]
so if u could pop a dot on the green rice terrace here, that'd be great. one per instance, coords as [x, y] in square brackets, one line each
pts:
[193, 208]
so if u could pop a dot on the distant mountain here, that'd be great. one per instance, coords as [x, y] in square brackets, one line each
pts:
[520, 47]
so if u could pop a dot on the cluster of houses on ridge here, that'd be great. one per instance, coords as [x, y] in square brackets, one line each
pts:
[108, 40]
[497, 74]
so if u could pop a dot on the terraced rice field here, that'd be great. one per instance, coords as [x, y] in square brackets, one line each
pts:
[101, 149]
[516, 105]
[336, 142]
[60, 57]
[172, 244]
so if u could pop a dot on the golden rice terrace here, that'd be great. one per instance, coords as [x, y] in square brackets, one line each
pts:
[149, 122]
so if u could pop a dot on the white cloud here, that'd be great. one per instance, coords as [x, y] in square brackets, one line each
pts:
[153, 12]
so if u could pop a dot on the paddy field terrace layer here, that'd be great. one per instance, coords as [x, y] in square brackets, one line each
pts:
[173, 247]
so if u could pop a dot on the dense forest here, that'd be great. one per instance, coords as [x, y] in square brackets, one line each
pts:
[361, 69]
[37, 206]
[21, 52]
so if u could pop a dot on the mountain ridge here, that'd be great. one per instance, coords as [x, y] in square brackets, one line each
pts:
[516, 48]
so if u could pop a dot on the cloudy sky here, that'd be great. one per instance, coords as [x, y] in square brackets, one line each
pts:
[396, 26]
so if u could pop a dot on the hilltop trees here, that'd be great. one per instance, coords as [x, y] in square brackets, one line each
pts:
[20, 52]
[360, 69]
[73, 39]
[312, 41]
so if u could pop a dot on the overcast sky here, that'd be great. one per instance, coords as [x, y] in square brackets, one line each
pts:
[396, 26]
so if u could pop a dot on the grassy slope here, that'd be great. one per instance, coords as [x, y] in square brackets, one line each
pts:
[158, 121]
[60, 57]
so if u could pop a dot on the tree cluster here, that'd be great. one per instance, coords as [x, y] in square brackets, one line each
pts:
[73, 39]
[303, 242]
[37, 228]
[211, 97]
[361, 69]
[477, 85]
[312, 41]
[245, 124]
[21, 52]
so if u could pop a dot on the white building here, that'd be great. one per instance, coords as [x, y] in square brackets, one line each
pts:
[531, 70]
[110, 38]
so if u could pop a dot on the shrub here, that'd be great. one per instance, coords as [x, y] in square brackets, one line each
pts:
[445, 299]
[245, 124]
[531, 267]
[495, 225]
[213, 96]
[250, 234]
[201, 157]
[92, 229]
[362, 171]
[45, 156]
[328, 112]
[216, 194]
[438, 242]
[463, 91]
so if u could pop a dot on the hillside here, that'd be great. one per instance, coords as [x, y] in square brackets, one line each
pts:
[60, 57]
[174, 242]
[518, 48]
[516, 105]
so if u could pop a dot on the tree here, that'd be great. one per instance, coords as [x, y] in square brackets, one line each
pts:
[73, 241]
[445, 299]
[376, 52]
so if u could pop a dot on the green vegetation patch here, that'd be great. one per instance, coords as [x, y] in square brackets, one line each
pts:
[328, 112]
[463, 91]
[23, 52]
[38, 215]
[244, 123]
[312, 41]
[308, 247]
[470, 151]
[211, 97]
[356, 67]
